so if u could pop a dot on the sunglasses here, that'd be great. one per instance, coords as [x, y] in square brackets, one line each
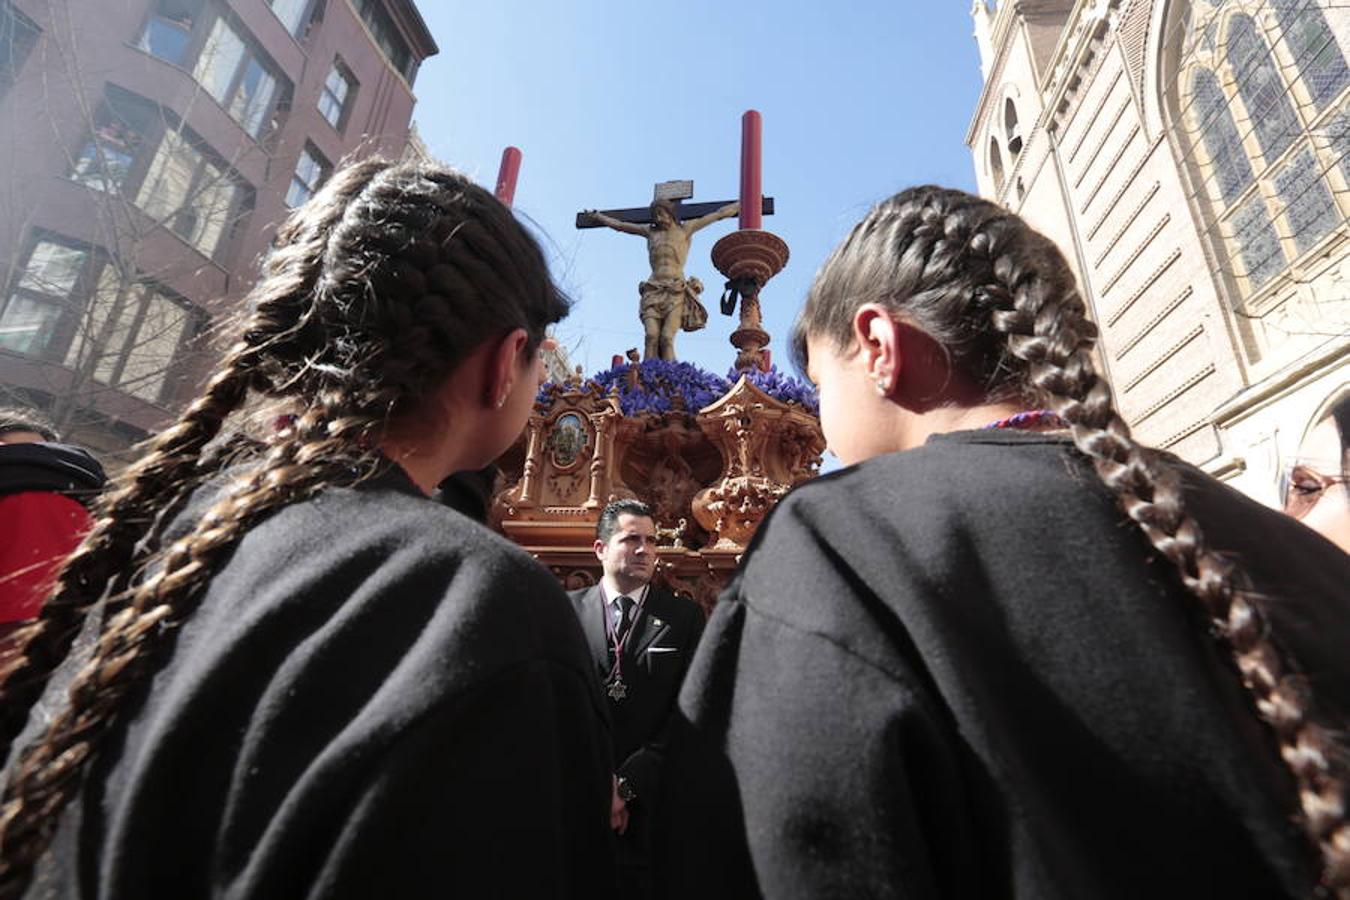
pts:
[1301, 486]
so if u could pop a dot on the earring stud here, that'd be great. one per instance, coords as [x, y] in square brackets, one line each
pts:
[883, 387]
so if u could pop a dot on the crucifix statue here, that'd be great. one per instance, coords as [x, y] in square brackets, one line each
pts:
[669, 301]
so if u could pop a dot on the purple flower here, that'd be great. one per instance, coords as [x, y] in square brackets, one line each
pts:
[782, 387]
[664, 386]
[660, 384]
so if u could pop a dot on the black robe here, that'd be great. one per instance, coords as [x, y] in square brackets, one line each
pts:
[375, 698]
[960, 672]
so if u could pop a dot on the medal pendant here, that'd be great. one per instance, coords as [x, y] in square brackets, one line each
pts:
[617, 689]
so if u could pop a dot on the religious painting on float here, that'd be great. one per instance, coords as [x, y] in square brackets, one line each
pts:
[568, 441]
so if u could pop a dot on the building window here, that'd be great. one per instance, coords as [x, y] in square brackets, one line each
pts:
[1223, 144]
[294, 14]
[1256, 241]
[232, 72]
[1261, 98]
[1010, 129]
[1316, 53]
[311, 171]
[191, 194]
[387, 37]
[168, 31]
[1336, 134]
[996, 165]
[227, 65]
[44, 292]
[1307, 203]
[72, 305]
[1263, 95]
[336, 96]
[18, 34]
[106, 157]
[131, 334]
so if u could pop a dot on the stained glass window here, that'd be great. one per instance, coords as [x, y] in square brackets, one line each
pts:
[1308, 204]
[1232, 170]
[1256, 240]
[1337, 134]
[1319, 58]
[1271, 161]
[1262, 92]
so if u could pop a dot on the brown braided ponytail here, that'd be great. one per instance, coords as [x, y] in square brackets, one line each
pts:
[375, 291]
[1002, 300]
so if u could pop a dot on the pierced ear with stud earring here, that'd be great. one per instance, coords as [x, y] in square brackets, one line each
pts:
[883, 385]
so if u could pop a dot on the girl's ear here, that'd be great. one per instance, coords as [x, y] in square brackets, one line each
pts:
[878, 339]
[503, 369]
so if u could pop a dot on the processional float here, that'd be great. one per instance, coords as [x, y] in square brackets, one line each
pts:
[710, 455]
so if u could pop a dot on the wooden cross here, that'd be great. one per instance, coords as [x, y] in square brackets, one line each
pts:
[675, 192]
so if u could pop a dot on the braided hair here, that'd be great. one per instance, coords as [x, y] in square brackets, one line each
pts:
[376, 289]
[1001, 300]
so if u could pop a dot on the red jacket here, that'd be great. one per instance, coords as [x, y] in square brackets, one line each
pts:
[40, 519]
[38, 529]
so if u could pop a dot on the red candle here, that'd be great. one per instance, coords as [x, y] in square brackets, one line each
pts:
[752, 190]
[507, 174]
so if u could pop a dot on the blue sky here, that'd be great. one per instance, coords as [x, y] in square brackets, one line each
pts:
[607, 98]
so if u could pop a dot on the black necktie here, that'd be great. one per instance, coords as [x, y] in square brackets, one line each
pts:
[625, 617]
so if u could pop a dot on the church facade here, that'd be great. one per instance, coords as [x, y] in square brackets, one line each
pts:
[1190, 158]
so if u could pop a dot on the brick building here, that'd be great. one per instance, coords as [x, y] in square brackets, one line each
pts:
[1190, 157]
[148, 149]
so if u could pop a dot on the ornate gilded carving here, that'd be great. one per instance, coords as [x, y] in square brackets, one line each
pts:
[710, 479]
[568, 469]
[767, 447]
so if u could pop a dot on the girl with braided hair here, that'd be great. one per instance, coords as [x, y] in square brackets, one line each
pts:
[1009, 652]
[301, 677]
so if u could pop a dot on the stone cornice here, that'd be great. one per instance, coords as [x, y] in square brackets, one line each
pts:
[1079, 44]
[1313, 364]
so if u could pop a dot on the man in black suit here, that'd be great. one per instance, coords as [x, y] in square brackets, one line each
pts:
[642, 638]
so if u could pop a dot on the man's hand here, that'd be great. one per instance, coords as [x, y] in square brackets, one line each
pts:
[731, 209]
[618, 810]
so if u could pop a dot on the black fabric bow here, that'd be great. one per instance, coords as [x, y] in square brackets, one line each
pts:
[735, 289]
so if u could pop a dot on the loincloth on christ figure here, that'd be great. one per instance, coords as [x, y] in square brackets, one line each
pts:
[661, 298]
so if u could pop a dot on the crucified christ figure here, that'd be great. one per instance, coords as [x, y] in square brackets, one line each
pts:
[670, 301]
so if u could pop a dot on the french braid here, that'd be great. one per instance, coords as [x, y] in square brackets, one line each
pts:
[106, 557]
[1002, 300]
[377, 288]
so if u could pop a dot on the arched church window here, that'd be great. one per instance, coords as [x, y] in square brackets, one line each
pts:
[1318, 57]
[996, 164]
[1232, 170]
[1258, 83]
[1258, 92]
[1010, 128]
